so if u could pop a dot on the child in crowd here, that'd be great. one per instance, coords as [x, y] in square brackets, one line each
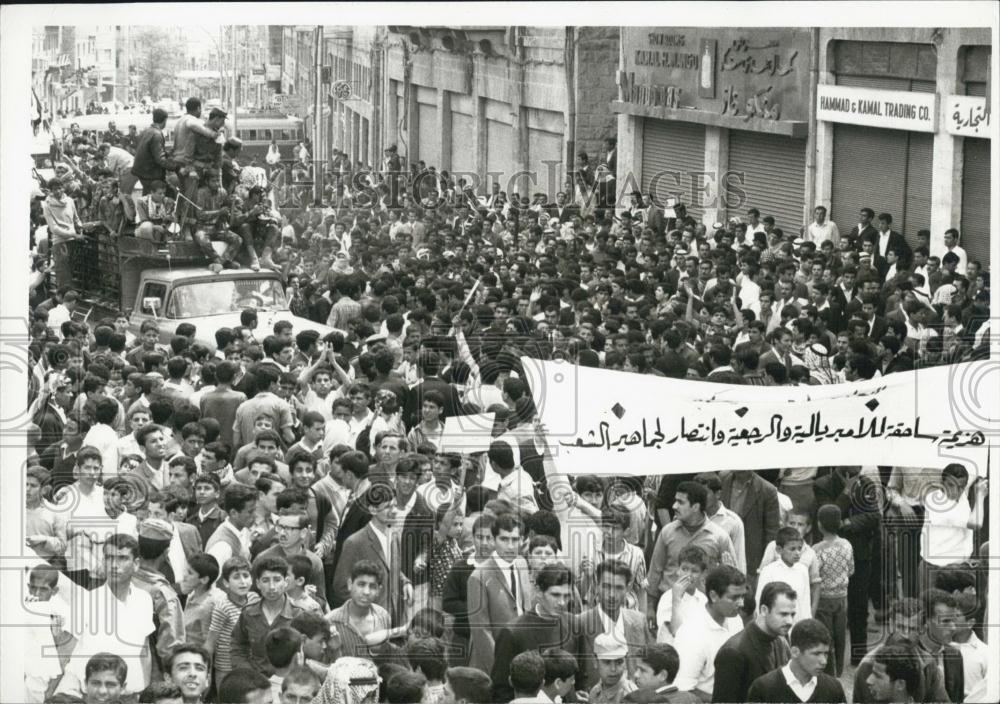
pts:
[299, 686]
[202, 596]
[686, 594]
[800, 520]
[445, 552]
[270, 576]
[206, 516]
[303, 595]
[835, 559]
[236, 582]
[789, 569]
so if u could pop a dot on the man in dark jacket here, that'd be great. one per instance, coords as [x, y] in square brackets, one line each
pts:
[860, 499]
[429, 365]
[755, 501]
[759, 648]
[151, 163]
[810, 647]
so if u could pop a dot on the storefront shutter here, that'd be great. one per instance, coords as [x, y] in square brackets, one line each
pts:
[428, 135]
[773, 169]
[499, 154]
[976, 192]
[544, 148]
[869, 170]
[672, 153]
[917, 209]
[463, 146]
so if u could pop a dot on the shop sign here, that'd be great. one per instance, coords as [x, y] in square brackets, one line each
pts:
[739, 76]
[967, 116]
[890, 109]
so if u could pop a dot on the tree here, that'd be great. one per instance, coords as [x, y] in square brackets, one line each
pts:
[156, 61]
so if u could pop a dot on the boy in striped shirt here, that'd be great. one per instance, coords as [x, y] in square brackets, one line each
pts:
[236, 582]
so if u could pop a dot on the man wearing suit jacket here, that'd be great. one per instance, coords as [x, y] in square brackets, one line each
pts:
[756, 502]
[561, 209]
[802, 679]
[657, 667]
[499, 591]
[357, 515]
[611, 158]
[378, 541]
[887, 238]
[758, 648]
[610, 616]
[877, 325]
[429, 365]
[863, 230]
[547, 626]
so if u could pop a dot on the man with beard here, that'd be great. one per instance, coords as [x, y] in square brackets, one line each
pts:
[760, 648]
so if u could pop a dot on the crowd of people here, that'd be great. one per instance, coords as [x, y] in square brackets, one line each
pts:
[279, 519]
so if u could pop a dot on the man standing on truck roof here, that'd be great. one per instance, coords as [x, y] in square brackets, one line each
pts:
[120, 162]
[151, 162]
[187, 129]
[211, 223]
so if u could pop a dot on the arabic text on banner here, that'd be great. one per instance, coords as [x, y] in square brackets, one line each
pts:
[604, 422]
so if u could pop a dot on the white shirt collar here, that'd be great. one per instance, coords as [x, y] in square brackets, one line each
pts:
[802, 691]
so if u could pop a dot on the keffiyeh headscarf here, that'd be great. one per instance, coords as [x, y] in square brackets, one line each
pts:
[349, 681]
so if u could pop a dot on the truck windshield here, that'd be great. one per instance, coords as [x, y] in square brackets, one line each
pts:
[201, 298]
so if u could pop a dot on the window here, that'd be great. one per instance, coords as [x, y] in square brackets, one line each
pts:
[157, 291]
[266, 135]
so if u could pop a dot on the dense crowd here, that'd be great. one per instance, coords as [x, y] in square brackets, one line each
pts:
[278, 519]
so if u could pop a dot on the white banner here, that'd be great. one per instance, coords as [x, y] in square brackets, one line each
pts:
[605, 422]
[967, 116]
[892, 109]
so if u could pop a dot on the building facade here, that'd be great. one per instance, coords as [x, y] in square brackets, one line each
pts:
[722, 119]
[511, 106]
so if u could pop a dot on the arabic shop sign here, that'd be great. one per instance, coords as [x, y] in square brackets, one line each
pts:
[891, 109]
[967, 116]
[741, 76]
[602, 422]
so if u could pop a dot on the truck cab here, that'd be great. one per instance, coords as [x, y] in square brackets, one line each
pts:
[171, 283]
[211, 301]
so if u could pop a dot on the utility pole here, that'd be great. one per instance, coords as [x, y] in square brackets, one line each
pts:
[232, 78]
[318, 161]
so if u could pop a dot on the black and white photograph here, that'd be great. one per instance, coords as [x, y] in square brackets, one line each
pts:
[514, 353]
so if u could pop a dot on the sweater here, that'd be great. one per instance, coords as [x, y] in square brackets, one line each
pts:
[61, 218]
[772, 687]
[743, 658]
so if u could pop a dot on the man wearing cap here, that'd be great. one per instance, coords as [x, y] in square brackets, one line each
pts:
[154, 540]
[613, 685]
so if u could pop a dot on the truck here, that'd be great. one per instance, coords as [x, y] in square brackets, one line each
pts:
[171, 283]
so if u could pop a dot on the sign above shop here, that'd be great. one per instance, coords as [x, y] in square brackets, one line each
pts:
[967, 116]
[890, 109]
[749, 79]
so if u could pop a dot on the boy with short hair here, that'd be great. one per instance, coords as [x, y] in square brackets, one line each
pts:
[800, 520]
[236, 582]
[283, 649]
[686, 595]
[975, 653]
[202, 595]
[274, 610]
[104, 678]
[655, 671]
[207, 516]
[42, 670]
[789, 569]
[835, 558]
[303, 595]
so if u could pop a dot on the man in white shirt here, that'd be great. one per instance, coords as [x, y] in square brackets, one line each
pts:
[708, 629]
[118, 619]
[975, 653]
[516, 485]
[949, 520]
[950, 245]
[820, 229]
